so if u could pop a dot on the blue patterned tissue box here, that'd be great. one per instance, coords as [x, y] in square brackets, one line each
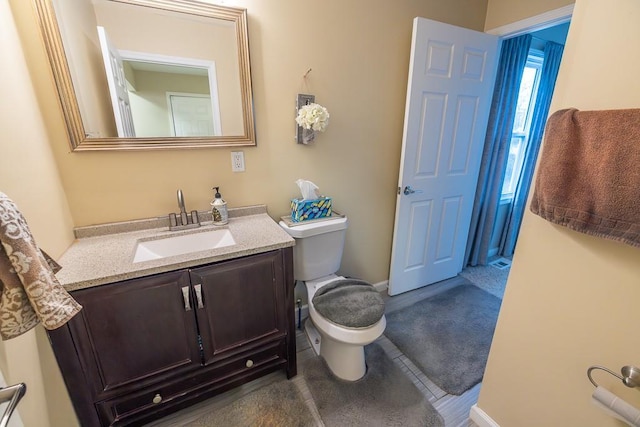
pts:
[302, 210]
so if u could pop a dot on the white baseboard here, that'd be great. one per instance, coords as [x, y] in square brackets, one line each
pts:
[481, 418]
[381, 286]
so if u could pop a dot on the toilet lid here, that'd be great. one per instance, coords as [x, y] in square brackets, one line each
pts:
[349, 302]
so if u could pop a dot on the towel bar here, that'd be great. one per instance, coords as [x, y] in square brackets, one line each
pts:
[630, 375]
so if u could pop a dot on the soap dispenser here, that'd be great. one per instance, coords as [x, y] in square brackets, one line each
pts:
[219, 209]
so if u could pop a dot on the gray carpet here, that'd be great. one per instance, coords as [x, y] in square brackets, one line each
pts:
[276, 405]
[447, 335]
[383, 397]
[488, 278]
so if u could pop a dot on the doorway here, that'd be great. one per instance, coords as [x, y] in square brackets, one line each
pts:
[518, 154]
[530, 25]
[511, 152]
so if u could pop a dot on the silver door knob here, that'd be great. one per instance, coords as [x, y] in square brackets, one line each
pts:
[408, 190]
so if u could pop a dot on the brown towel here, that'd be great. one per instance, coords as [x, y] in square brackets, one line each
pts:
[30, 291]
[588, 178]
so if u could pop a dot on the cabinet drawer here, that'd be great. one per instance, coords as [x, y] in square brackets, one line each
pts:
[135, 406]
[248, 360]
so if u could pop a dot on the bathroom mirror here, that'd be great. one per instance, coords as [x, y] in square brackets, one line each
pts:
[179, 73]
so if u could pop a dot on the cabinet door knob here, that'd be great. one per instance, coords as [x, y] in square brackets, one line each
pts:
[185, 297]
[249, 363]
[157, 398]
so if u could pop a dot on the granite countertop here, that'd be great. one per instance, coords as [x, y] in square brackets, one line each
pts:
[104, 253]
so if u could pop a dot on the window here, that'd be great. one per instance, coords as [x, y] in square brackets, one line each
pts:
[522, 123]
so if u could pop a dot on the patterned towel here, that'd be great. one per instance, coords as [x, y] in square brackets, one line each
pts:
[30, 292]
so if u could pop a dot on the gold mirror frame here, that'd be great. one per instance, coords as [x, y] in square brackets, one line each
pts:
[69, 103]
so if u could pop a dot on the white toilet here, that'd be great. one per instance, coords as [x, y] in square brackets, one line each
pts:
[340, 341]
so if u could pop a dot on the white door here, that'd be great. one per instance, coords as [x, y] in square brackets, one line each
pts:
[117, 86]
[191, 115]
[451, 79]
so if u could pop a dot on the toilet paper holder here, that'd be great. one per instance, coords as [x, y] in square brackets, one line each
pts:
[630, 375]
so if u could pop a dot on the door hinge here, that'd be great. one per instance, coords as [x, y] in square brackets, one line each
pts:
[398, 190]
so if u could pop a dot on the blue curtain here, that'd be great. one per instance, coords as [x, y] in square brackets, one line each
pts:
[513, 58]
[552, 56]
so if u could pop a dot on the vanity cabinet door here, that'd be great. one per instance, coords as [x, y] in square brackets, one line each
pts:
[242, 304]
[135, 332]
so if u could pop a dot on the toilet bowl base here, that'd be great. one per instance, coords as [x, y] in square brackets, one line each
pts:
[344, 361]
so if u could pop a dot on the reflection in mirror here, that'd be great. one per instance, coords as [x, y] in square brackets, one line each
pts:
[172, 100]
[159, 74]
[161, 96]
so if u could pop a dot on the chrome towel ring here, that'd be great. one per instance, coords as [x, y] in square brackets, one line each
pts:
[630, 375]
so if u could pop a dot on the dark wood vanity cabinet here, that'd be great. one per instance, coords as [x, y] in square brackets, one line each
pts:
[143, 348]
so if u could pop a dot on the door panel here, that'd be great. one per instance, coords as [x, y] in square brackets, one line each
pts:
[418, 234]
[449, 225]
[134, 331]
[451, 77]
[432, 118]
[241, 303]
[462, 147]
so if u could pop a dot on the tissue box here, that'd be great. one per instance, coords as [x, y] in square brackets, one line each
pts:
[302, 210]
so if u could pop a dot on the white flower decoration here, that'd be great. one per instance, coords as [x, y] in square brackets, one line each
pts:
[313, 116]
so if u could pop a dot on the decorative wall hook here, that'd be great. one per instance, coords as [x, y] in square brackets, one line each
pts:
[304, 136]
[311, 118]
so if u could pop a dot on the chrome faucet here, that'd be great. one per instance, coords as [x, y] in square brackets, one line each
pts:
[183, 211]
[186, 220]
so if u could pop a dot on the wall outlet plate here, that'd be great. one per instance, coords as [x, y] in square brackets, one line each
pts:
[301, 100]
[237, 161]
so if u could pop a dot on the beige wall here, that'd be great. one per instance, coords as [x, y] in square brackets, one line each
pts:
[571, 299]
[29, 176]
[359, 53]
[502, 12]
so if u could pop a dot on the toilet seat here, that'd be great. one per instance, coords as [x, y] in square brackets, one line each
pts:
[350, 303]
[340, 333]
[354, 336]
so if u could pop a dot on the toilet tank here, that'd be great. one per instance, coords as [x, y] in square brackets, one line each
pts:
[318, 249]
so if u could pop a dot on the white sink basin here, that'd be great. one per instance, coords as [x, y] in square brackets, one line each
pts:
[182, 244]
